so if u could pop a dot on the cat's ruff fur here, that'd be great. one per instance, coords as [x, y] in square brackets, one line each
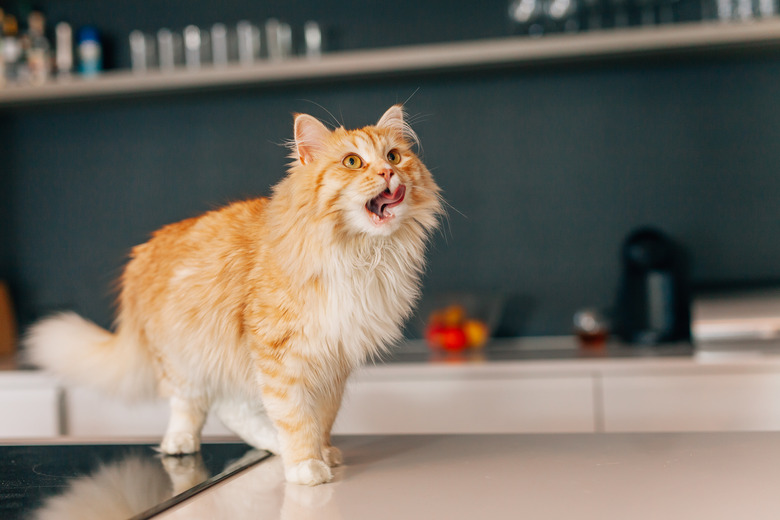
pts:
[261, 310]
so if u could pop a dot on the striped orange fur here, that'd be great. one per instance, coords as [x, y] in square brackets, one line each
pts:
[260, 310]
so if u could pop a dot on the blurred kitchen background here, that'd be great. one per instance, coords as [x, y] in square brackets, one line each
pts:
[547, 165]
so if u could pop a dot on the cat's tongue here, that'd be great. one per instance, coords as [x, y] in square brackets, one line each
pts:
[385, 200]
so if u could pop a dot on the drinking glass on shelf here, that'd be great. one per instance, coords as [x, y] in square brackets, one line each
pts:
[279, 39]
[312, 38]
[197, 47]
[169, 49]
[219, 45]
[538, 17]
[528, 15]
[249, 46]
[143, 52]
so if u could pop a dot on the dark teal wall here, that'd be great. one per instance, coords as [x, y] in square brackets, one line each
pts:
[546, 171]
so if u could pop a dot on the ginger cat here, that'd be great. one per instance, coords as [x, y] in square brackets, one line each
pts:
[261, 310]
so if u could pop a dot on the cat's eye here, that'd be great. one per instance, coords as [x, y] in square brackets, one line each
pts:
[394, 156]
[352, 161]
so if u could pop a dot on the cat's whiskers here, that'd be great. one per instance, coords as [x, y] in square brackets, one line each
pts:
[336, 122]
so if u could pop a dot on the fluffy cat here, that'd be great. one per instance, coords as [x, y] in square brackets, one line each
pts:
[261, 310]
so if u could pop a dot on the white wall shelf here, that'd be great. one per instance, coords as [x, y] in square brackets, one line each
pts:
[692, 38]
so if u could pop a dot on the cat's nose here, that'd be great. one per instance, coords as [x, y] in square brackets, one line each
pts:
[387, 173]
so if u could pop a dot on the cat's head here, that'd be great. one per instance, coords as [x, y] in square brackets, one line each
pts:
[368, 180]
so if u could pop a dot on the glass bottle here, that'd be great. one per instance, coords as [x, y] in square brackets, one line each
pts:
[12, 49]
[64, 51]
[2, 57]
[39, 51]
[90, 52]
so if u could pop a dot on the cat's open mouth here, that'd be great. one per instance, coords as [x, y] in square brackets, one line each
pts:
[380, 205]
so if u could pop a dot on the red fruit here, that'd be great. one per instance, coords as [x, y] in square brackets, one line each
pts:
[452, 338]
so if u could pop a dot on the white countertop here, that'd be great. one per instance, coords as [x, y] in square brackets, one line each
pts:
[585, 476]
[563, 355]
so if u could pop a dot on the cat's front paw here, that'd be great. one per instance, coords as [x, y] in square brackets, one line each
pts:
[180, 443]
[308, 473]
[332, 456]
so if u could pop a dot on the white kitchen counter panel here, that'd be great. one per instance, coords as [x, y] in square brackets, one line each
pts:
[585, 476]
[30, 402]
[529, 385]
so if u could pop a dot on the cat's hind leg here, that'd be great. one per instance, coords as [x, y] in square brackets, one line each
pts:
[183, 434]
[250, 422]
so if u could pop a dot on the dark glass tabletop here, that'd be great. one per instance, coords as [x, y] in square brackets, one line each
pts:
[109, 481]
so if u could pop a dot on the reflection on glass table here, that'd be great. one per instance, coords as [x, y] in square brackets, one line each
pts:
[101, 481]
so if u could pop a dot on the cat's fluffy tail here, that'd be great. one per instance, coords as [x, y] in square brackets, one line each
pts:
[83, 353]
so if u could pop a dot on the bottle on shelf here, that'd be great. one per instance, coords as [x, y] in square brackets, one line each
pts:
[64, 50]
[12, 50]
[38, 49]
[90, 52]
[2, 57]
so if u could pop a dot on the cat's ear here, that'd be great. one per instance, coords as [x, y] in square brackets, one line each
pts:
[394, 120]
[310, 137]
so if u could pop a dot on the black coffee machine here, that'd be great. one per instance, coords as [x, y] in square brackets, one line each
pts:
[653, 304]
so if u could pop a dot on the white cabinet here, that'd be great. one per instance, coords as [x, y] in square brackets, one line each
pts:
[466, 405]
[89, 414]
[554, 396]
[29, 406]
[692, 402]
[370, 406]
[450, 405]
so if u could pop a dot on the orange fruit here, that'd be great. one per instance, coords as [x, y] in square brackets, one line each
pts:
[476, 333]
